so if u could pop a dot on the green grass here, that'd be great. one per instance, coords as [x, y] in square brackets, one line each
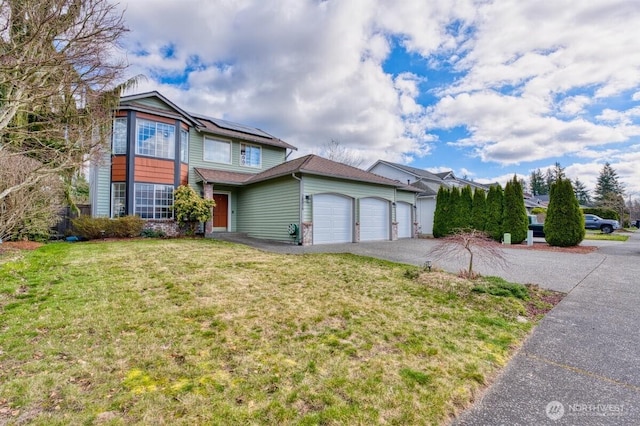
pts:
[206, 332]
[597, 235]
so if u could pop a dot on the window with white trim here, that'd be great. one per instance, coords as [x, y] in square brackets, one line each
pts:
[184, 146]
[155, 139]
[250, 155]
[119, 136]
[118, 199]
[153, 201]
[217, 151]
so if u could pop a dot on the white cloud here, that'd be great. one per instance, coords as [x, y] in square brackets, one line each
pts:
[535, 80]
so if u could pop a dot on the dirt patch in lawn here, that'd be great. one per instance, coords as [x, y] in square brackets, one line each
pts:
[19, 245]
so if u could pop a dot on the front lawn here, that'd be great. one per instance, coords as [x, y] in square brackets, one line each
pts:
[207, 332]
[598, 235]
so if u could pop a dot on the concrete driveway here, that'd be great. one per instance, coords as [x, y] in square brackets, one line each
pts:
[581, 365]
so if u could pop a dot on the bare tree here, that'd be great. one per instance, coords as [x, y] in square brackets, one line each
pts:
[31, 210]
[335, 151]
[57, 83]
[477, 245]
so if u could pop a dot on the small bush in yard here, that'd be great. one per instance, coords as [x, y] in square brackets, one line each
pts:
[498, 287]
[125, 227]
[92, 228]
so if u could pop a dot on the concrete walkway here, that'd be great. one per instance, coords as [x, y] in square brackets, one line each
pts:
[581, 365]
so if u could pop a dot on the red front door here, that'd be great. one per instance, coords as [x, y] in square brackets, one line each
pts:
[220, 211]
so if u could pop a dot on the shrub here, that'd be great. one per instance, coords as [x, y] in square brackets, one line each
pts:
[479, 209]
[92, 228]
[564, 225]
[514, 218]
[125, 227]
[494, 212]
[152, 233]
[499, 287]
[190, 209]
[441, 216]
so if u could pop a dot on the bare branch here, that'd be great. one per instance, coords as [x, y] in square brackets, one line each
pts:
[477, 245]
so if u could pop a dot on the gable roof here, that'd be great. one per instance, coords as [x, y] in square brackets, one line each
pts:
[418, 173]
[316, 165]
[309, 164]
[130, 102]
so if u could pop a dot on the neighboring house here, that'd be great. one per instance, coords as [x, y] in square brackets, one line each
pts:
[428, 182]
[156, 146]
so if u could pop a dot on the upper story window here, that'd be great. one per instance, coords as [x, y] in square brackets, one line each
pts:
[217, 151]
[119, 136]
[184, 146]
[155, 139]
[250, 155]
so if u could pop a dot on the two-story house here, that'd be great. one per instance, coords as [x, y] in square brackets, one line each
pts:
[157, 146]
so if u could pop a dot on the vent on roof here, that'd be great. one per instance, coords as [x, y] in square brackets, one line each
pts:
[239, 128]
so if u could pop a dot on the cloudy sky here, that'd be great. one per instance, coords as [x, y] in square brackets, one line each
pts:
[484, 88]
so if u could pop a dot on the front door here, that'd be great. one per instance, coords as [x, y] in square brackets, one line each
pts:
[221, 211]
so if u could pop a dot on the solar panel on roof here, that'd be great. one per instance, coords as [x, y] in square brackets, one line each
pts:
[239, 128]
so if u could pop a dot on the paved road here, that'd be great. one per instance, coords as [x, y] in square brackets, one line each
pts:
[581, 365]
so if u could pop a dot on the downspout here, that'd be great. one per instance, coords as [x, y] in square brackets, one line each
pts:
[300, 201]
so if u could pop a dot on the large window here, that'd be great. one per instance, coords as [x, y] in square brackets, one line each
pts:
[250, 155]
[118, 199]
[184, 146]
[155, 139]
[217, 151]
[154, 201]
[119, 136]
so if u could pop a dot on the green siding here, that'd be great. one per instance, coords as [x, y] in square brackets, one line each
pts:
[266, 209]
[271, 156]
[154, 103]
[406, 196]
[319, 185]
[102, 187]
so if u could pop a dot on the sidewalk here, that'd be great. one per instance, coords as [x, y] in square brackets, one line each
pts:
[581, 365]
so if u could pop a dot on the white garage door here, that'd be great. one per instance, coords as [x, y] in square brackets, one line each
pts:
[426, 210]
[403, 217]
[332, 219]
[374, 219]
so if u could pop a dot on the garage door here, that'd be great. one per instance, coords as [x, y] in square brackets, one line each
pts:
[374, 219]
[426, 211]
[403, 217]
[332, 219]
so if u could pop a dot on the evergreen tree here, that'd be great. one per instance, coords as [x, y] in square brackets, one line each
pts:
[515, 219]
[581, 192]
[564, 224]
[479, 210]
[494, 212]
[441, 215]
[465, 206]
[557, 172]
[607, 186]
[455, 220]
[537, 183]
